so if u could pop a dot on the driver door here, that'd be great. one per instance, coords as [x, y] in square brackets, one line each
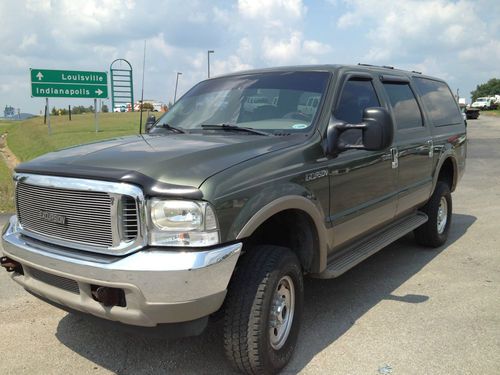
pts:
[363, 184]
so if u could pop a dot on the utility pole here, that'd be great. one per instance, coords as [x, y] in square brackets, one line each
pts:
[176, 84]
[208, 61]
[142, 90]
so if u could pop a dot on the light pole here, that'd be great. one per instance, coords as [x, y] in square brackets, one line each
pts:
[208, 61]
[176, 84]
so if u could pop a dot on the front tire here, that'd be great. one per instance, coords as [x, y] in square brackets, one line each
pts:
[263, 310]
[434, 232]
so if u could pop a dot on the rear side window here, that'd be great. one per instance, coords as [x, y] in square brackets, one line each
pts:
[439, 102]
[404, 105]
[356, 96]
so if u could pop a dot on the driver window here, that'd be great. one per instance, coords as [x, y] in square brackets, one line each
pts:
[356, 96]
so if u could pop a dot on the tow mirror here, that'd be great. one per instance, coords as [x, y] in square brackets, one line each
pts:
[377, 132]
[150, 122]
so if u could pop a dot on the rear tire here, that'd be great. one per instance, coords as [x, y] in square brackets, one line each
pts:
[434, 232]
[263, 310]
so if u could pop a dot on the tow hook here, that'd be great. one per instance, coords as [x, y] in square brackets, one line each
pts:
[108, 296]
[11, 265]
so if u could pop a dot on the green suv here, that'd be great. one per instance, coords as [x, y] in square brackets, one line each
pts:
[224, 207]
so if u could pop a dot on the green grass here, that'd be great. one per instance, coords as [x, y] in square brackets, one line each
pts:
[29, 139]
[494, 112]
[6, 189]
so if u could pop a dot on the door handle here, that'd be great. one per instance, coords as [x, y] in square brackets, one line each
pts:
[431, 148]
[394, 158]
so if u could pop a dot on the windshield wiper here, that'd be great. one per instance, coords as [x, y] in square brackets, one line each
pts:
[234, 127]
[170, 127]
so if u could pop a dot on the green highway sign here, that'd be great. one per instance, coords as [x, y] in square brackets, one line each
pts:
[53, 90]
[68, 76]
[47, 83]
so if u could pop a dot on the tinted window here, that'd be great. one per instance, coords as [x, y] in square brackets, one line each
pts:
[404, 105]
[439, 101]
[356, 96]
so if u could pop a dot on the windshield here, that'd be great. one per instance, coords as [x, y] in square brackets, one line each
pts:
[271, 102]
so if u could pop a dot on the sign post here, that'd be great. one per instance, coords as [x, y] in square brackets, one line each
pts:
[48, 114]
[95, 116]
[47, 84]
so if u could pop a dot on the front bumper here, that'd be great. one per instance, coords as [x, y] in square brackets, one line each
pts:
[160, 286]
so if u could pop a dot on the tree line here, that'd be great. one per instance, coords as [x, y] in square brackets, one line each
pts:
[77, 110]
[490, 88]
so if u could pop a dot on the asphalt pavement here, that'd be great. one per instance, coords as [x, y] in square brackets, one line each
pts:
[405, 310]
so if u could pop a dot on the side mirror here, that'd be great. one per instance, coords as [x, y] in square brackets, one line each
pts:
[150, 122]
[377, 132]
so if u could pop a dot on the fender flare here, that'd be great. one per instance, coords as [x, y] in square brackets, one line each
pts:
[295, 203]
[448, 154]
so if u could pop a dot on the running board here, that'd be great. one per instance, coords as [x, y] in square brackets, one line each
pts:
[361, 250]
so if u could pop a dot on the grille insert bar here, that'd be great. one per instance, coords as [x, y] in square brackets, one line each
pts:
[54, 280]
[129, 218]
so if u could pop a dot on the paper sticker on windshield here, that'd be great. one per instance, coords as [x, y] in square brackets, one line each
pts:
[299, 126]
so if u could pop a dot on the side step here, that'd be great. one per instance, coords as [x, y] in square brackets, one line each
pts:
[361, 250]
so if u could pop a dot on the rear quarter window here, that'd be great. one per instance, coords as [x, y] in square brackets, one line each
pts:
[439, 102]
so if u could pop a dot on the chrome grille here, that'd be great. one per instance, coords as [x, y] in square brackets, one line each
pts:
[83, 214]
[129, 218]
[54, 280]
[87, 214]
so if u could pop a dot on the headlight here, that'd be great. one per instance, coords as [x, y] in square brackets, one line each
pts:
[182, 223]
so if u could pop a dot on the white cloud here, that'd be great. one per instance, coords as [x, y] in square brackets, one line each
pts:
[269, 9]
[245, 49]
[314, 47]
[282, 50]
[293, 50]
[398, 29]
[28, 41]
[231, 64]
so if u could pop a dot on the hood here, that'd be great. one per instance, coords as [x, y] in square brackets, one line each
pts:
[175, 159]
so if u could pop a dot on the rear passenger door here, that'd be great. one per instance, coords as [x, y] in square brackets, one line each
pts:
[413, 149]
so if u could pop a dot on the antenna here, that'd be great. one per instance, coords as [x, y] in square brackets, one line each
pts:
[142, 90]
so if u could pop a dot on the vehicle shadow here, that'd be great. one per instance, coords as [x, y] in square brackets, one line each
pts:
[331, 308]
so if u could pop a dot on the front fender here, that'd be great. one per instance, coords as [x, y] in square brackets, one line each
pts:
[273, 200]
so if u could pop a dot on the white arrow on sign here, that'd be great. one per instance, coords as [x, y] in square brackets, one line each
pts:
[39, 76]
[98, 91]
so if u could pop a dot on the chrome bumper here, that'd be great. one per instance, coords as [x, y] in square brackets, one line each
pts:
[160, 286]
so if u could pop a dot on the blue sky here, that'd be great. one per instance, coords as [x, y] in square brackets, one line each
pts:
[455, 40]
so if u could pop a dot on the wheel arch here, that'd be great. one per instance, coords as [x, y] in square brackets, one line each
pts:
[447, 171]
[306, 210]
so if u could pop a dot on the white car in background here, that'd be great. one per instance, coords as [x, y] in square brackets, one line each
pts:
[120, 108]
[485, 103]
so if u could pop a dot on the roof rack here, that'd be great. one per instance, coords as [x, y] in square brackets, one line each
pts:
[414, 71]
[377, 66]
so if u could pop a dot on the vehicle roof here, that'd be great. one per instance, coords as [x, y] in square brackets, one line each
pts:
[333, 68]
